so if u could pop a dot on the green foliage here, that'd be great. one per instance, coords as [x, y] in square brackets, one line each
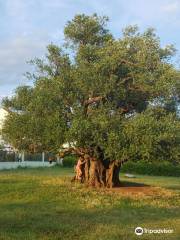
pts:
[87, 30]
[151, 168]
[69, 161]
[153, 134]
[112, 94]
[1, 147]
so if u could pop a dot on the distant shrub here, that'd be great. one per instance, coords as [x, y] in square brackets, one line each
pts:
[141, 167]
[157, 169]
[69, 161]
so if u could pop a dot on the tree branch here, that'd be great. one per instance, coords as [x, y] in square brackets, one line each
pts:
[92, 100]
[125, 80]
[123, 61]
[77, 151]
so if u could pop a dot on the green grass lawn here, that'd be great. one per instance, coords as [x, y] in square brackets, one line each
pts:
[44, 204]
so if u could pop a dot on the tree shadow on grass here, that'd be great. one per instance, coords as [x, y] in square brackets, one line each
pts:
[132, 184]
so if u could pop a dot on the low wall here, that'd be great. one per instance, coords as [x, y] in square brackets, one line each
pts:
[32, 164]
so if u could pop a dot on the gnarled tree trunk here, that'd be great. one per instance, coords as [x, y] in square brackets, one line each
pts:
[112, 175]
[94, 172]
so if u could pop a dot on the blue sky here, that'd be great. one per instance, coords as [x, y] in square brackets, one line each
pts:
[27, 26]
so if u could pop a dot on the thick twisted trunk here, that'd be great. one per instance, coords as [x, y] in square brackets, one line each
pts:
[95, 171]
[112, 175]
[95, 174]
[86, 170]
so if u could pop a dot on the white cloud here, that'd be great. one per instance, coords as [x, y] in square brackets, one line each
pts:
[56, 3]
[18, 9]
[171, 7]
[14, 55]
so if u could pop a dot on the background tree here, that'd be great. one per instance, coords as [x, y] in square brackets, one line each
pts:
[111, 97]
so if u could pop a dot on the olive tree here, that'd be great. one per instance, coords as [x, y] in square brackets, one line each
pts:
[111, 97]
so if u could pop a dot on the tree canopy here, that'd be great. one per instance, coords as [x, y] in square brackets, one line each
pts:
[118, 97]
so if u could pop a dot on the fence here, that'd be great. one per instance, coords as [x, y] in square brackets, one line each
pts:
[10, 156]
[10, 160]
[31, 164]
[6, 156]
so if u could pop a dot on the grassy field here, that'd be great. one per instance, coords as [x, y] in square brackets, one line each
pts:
[44, 204]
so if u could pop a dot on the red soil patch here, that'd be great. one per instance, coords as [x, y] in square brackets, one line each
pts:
[130, 188]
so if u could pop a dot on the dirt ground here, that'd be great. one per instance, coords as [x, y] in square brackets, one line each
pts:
[134, 189]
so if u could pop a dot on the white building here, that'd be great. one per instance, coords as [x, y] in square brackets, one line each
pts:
[3, 115]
